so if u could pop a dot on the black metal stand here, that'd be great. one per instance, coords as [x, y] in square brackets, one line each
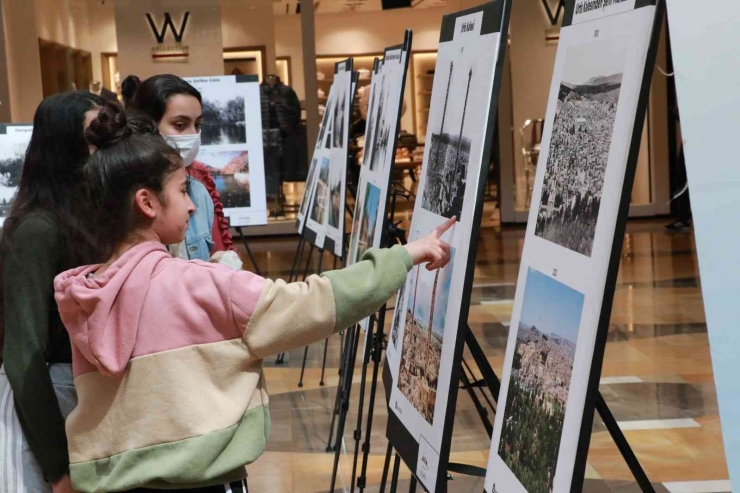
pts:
[624, 447]
[351, 350]
[238, 229]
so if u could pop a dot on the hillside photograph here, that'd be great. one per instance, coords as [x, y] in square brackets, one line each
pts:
[540, 381]
[581, 139]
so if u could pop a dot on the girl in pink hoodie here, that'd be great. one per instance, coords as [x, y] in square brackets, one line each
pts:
[167, 353]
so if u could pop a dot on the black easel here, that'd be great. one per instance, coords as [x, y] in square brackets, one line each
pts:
[238, 229]
[373, 351]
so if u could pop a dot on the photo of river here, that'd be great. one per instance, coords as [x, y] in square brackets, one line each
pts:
[230, 172]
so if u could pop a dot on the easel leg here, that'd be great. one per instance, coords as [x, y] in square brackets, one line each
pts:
[377, 343]
[323, 364]
[305, 352]
[292, 278]
[468, 386]
[360, 407]
[394, 478]
[297, 260]
[386, 466]
[344, 407]
[338, 398]
[624, 447]
[412, 486]
[489, 376]
[326, 343]
[249, 250]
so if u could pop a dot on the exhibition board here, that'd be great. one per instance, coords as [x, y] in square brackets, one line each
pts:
[321, 216]
[572, 246]
[381, 133]
[428, 330]
[14, 141]
[231, 145]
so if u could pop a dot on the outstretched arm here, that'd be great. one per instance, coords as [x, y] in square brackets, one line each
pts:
[289, 316]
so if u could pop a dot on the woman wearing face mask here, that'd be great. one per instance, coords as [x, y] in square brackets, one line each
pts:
[176, 107]
[40, 239]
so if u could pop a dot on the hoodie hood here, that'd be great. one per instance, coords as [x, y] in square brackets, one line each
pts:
[101, 313]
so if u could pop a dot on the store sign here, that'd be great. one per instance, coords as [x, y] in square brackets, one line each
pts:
[162, 50]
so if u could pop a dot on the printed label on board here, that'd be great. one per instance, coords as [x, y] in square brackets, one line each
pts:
[426, 467]
[588, 10]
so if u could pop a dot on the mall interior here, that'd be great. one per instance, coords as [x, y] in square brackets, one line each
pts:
[657, 375]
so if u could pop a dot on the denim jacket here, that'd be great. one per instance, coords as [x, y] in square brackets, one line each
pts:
[198, 238]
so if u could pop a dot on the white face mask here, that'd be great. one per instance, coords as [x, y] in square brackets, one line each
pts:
[188, 145]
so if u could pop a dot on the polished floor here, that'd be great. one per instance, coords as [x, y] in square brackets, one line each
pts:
[657, 377]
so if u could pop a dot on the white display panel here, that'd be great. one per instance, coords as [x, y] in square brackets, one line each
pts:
[386, 97]
[429, 323]
[588, 138]
[14, 141]
[324, 197]
[231, 145]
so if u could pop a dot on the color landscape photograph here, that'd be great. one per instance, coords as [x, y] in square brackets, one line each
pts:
[423, 334]
[540, 381]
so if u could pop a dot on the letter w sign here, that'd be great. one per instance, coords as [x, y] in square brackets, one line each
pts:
[168, 22]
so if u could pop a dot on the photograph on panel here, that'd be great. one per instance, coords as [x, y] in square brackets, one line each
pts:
[369, 219]
[400, 300]
[309, 186]
[336, 211]
[449, 154]
[423, 334]
[321, 195]
[340, 111]
[371, 119]
[224, 119]
[356, 218]
[540, 380]
[230, 172]
[12, 154]
[579, 146]
[324, 122]
[381, 125]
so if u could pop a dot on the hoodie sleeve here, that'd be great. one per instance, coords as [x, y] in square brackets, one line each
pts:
[289, 316]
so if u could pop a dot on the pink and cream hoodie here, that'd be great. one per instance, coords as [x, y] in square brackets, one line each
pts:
[167, 358]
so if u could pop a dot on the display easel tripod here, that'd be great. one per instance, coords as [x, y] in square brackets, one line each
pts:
[469, 470]
[238, 229]
[298, 274]
[373, 349]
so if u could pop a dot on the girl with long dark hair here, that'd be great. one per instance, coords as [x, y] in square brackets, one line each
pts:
[177, 108]
[42, 236]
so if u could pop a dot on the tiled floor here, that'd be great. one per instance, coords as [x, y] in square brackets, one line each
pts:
[657, 378]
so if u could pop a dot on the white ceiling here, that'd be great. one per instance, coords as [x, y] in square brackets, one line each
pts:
[283, 7]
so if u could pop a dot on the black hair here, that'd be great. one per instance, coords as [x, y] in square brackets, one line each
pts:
[129, 86]
[152, 96]
[130, 155]
[51, 179]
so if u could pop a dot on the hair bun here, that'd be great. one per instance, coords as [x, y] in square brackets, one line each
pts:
[110, 127]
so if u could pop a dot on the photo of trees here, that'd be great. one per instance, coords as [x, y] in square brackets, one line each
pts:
[540, 381]
[223, 120]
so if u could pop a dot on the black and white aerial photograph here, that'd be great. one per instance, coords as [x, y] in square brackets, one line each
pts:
[340, 115]
[324, 123]
[336, 204]
[378, 144]
[449, 154]
[321, 194]
[371, 119]
[582, 130]
[224, 119]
